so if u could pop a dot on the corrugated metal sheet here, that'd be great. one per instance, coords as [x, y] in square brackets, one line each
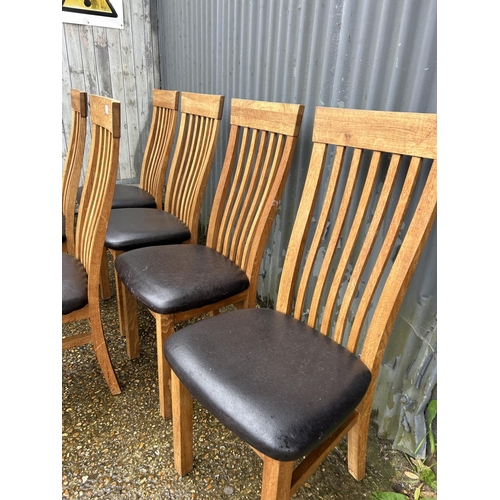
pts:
[345, 53]
[122, 64]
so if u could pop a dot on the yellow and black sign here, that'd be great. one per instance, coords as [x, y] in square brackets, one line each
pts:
[91, 7]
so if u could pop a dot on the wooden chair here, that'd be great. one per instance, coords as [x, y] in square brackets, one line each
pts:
[131, 228]
[80, 273]
[177, 282]
[73, 167]
[149, 193]
[292, 389]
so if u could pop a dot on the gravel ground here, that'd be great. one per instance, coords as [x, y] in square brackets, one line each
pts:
[119, 447]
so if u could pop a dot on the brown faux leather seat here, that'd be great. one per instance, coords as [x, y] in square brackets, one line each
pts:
[293, 382]
[128, 196]
[255, 384]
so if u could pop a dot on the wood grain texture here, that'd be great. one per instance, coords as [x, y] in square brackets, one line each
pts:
[93, 216]
[73, 165]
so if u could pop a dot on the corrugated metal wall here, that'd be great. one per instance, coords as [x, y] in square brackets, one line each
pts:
[118, 63]
[345, 53]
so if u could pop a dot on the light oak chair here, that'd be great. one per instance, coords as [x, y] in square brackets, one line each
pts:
[131, 228]
[73, 167]
[178, 282]
[80, 272]
[292, 389]
[149, 193]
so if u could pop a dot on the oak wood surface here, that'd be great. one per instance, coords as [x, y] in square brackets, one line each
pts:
[159, 143]
[73, 165]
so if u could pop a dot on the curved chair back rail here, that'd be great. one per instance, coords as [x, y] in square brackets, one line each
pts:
[293, 382]
[93, 215]
[73, 166]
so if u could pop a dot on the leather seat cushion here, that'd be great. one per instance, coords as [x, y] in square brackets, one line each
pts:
[127, 196]
[130, 228]
[74, 284]
[174, 278]
[278, 384]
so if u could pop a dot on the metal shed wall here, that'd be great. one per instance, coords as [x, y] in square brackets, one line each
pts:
[119, 63]
[343, 53]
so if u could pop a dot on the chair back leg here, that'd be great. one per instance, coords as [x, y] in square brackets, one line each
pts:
[102, 353]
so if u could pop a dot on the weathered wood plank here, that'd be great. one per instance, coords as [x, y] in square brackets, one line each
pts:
[122, 64]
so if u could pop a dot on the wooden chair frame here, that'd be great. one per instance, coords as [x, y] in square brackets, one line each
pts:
[199, 128]
[94, 210]
[73, 165]
[262, 140]
[401, 134]
[155, 160]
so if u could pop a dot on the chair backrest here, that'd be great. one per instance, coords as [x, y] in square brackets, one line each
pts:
[159, 144]
[99, 186]
[194, 154]
[349, 274]
[73, 164]
[259, 153]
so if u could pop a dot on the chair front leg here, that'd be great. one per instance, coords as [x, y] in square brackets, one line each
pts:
[164, 328]
[182, 425]
[276, 479]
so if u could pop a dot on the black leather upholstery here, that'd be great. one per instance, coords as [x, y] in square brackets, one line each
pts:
[175, 278]
[63, 228]
[74, 284]
[130, 228]
[278, 384]
[127, 196]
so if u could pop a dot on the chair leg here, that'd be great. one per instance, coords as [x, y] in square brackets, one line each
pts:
[276, 479]
[127, 315]
[164, 328]
[104, 276]
[102, 353]
[182, 425]
[357, 440]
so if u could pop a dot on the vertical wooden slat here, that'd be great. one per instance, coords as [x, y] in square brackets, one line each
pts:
[297, 240]
[248, 211]
[177, 161]
[193, 157]
[319, 155]
[335, 238]
[196, 165]
[241, 192]
[271, 166]
[385, 251]
[348, 247]
[368, 244]
[233, 190]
